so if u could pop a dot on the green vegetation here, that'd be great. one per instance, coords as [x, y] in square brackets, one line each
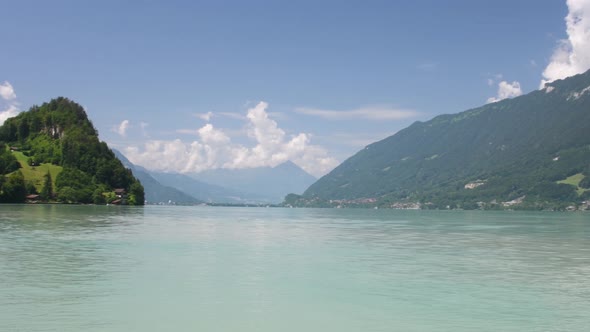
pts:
[36, 172]
[518, 149]
[57, 153]
[47, 189]
[13, 188]
[9, 185]
[575, 180]
[8, 162]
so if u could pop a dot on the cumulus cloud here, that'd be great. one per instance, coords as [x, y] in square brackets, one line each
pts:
[122, 128]
[506, 90]
[7, 91]
[572, 55]
[9, 104]
[215, 149]
[8, 113]
[365, 113]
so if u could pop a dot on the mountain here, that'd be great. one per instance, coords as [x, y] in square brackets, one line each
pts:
[529, 152]
[266, 184]
[60, 157]
[155, 192]
[185, 189]
[203, 191]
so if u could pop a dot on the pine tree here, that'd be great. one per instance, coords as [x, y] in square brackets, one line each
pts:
[47, 191]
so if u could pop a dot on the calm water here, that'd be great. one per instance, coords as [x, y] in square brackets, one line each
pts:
[81, 268]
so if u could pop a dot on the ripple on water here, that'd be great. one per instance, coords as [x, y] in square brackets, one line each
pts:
[71, 268]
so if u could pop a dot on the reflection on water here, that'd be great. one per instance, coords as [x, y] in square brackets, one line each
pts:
[97, 268]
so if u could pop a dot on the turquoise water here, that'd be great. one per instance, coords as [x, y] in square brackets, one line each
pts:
[96, 268]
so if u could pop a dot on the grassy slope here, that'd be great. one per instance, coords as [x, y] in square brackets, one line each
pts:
[574, 180]
[36, 173]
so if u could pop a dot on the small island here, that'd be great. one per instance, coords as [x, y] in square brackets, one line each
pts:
[52, 154]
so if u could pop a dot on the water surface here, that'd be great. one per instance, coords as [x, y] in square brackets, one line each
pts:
[98, 268]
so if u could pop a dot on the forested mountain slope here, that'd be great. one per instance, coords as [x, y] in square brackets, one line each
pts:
[532, 151]
[58, 140]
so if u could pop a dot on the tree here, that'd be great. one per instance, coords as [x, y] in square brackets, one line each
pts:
[23, 130]
[8, 162]
[30, 187]
[98, 197]
[47, 191]
[59, 132]
[67, 195]
[14, 190]
[137, 193]
[74, 186]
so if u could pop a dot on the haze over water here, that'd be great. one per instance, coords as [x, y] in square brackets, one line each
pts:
[97, 268]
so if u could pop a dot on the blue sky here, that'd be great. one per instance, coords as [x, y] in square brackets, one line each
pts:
[310, 81]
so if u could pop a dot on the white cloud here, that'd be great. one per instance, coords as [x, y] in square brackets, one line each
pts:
[572, 55]
[205, 116]
[215, 149]
[233, 133]
[7, 91]
[122, 128]
[8, 113]
[506, 90]
[367, 113]
[210, 135]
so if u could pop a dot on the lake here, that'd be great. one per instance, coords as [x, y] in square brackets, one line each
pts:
[162, 268]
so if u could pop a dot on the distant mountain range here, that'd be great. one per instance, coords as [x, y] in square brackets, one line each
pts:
[203, 191]
[264, 185]
[530, 152]
[155, 192]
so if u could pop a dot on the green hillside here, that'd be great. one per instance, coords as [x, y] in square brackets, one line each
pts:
[576, 180]
[36, 173]
[510, 154]
[54, 150]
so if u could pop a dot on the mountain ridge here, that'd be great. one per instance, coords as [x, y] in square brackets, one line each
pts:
[266, 184]
[155, 192]
[518, 149]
